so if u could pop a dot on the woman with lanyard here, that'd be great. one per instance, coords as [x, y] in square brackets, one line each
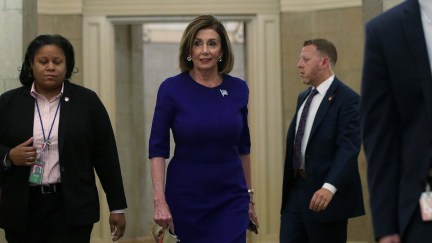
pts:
[53, 136]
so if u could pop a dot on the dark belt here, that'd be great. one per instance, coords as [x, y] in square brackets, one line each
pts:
[300, 174]
[46, 189]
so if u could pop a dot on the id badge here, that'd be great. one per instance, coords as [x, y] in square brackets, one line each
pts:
[36, 172]
[426, 204]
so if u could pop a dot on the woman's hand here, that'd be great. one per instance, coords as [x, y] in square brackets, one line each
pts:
[23, 154]
[252, 213]
[162, 215]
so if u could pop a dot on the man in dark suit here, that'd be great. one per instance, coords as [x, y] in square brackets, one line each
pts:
[397, 119]
[65, 129]
[321, 186]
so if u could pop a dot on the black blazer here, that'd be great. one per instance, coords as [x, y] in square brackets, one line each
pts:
[396, 115]
[86, 144]
[331, 154]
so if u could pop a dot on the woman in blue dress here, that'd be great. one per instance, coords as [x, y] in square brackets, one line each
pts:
[208, 193]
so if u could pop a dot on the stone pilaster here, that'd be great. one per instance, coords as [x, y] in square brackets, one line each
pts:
[18, 24]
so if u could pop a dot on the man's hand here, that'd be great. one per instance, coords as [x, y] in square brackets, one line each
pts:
[118, 225]
[320, 200]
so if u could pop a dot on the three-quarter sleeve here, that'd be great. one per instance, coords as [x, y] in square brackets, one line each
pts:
[159, 142]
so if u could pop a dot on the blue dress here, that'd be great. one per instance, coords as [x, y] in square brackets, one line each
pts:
[205, 185]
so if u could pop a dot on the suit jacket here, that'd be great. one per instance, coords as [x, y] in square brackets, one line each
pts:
[331, 154]
[86, 144]
[396, 115]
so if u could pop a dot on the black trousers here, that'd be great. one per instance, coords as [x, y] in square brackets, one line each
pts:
[47, 222]
[297, 227]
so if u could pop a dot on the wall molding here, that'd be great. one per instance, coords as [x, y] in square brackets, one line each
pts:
[63, 7]
[313, 5]
[156, 7]
[181, 7]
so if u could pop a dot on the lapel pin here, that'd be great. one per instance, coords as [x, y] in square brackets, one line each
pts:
[66, 99]
[330, 98]
[223, 92]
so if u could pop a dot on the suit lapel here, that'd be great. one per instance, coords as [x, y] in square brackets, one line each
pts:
[324, 106]
[412, 27]
[66, 100]
[302, 98]
[28, 113]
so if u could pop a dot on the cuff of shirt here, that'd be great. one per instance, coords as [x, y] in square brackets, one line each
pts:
[6, 162]
[330, 187]
[119, 211]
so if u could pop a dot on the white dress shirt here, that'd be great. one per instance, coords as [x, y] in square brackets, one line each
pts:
[48, 110]
[316, 101]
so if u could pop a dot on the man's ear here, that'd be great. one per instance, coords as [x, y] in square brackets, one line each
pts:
[325, 63]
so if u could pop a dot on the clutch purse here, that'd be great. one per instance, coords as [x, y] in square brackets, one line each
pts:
[163, 235]
[252, 226]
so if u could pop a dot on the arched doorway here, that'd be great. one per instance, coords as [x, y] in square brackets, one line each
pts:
[264, 78]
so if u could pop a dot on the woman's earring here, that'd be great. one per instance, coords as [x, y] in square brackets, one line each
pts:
[220, 59]
[189, 58]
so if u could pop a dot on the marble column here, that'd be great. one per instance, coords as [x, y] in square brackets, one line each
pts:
[18, 26]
